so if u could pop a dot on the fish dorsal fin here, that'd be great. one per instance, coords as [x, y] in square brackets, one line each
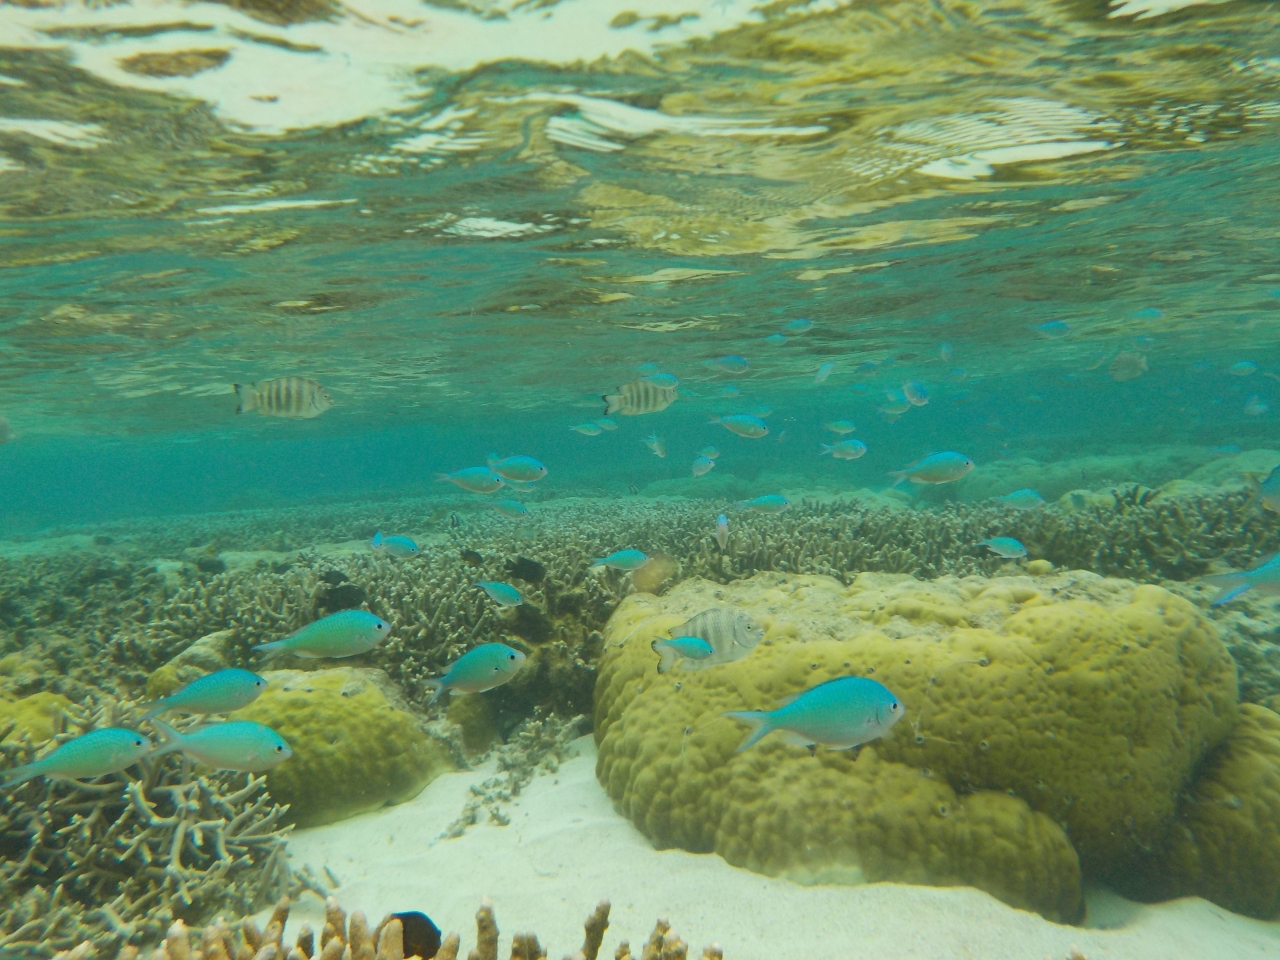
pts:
[790, 699]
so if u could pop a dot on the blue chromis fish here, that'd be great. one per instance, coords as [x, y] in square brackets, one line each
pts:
[722, 532]
[844, 449]
[474, 479]
[775, 339]
[342, 634]
[1006, 547]
[1024, 499]
[94, 754]
[587, 429]
[799, 325]
[511, 509]
[709, 452]
[840, 714]
[396, 547]
[729, 364]
[943, 467]
[522, 468]
[479, 669]
[503, 594]
[656, 444]
[1269, 490]
[770, 503]
[604, 423]
[743, 424]
[1265, 579]
[647, 369]
[915, 393]
[1053, 329]
[664, 379]
[622, 560]
[1244, 368]
[823, 372]
[841, 426]
[678, 649]
[702, 466]
[219, 692]
[235, 745]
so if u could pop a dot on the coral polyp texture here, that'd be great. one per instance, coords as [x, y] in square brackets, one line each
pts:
[1051, 724]
[115, 861]
[353, 750]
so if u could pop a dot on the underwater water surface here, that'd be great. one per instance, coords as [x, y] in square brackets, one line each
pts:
[930, 344]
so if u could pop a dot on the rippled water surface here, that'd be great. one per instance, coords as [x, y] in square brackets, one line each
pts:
[449, 213]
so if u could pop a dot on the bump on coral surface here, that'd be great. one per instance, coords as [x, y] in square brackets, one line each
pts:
[1037, 709]
[353, 750]
[117, 860]
[1225, 845]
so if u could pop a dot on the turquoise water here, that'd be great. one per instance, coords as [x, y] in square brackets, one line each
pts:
[468, 221]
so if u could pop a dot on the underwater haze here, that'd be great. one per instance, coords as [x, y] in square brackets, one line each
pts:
[804, 470]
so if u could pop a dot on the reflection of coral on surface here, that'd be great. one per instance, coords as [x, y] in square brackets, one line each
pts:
[1040, 743]
[117, 860]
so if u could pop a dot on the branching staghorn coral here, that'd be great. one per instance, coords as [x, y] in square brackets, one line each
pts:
[351, 938]
[115, 861]
[539, 744]
[437, 612]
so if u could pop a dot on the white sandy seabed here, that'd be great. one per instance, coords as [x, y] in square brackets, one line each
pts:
[566, 848]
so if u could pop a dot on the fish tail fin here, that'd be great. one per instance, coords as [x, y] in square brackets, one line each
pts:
[19, 775]
[442, 478]
[172, 739]
[667, 655]
[761, 721]
[157, 708]
[490, 460]
[1233, 590]
[248, 397]
[439, 688]
[826, 448]
[900, 476]
[714, 420]
[612, 402]
[269, 650]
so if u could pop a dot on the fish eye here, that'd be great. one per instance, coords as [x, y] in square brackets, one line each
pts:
[895, 706]
[380, 626]
[511, 656]
[137, 743]
[279, 749]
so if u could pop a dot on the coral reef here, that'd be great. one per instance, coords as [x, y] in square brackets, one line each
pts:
[540, 744]
[1225, 845]
[351, 938]
[117, 860]
[353, 750]
[1016, 754]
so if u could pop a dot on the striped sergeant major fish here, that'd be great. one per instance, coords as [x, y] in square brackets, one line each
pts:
[294, 397]
[639, 396]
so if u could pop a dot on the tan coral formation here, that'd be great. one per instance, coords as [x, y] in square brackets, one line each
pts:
[351, 938]
[353, 750]
[1046, 718]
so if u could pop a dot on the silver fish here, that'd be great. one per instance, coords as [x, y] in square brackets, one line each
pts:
[639, 396]
[294, 397]
[731, 633]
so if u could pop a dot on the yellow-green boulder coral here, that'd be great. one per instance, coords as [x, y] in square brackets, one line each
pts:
[38, 717]
[1037, 709]
[353, 751]
[1225, 846]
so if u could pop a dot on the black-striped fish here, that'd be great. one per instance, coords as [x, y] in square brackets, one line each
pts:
[295, 397]
[639, 396]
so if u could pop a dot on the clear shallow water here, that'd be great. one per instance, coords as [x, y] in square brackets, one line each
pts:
[470, 220]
